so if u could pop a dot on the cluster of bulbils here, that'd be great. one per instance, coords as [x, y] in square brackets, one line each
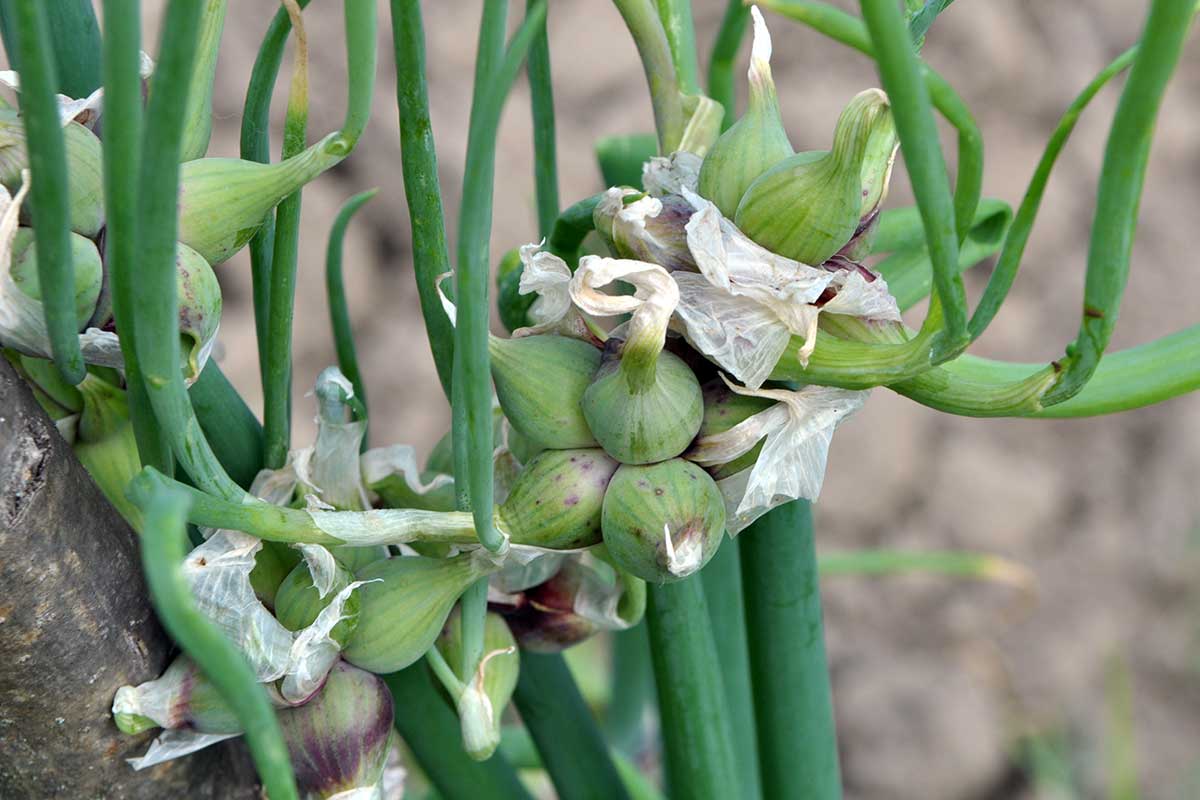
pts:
[625, 454]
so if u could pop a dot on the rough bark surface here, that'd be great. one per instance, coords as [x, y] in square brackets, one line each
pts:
[75, 624]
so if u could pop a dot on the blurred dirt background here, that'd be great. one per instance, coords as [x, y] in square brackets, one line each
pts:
[944, 689]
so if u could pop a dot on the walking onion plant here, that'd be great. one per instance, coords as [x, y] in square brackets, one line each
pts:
[592, 470]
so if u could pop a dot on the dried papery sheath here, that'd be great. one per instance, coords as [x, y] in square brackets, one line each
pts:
[172, 744]
[747, 303]
[482, 696]
[703, 124]
[84, 110]
[584, 596]
[84, 170]
[644, 228]
[797, 431]
[548, 276]
[392, 473]
[667, 175]
[181, 698]
[331, 470]
[339, 741]
[754, 143]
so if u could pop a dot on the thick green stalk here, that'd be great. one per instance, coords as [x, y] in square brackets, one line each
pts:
[792, 699]
[901, 76]
[721, 82]
[122, 155]
[1009, 261]
[155, 304]
[723, 590]
[418, 158]
[641, 17]
[562, 726]
[691, 699]
[631, 690]
[677, 22]
[76, 37]
[335, 289]
[1122, 177]
[545, 147]
[228, 423]
[277, 387]
[517, 746]
[163, 551]
[256, 146]
[431, 730]
[50, 196]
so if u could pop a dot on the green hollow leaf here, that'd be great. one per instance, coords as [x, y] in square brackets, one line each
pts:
[721, 63]
[545, 147]
[335, 289]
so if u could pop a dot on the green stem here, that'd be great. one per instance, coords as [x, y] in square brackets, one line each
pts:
[721, 84]
[122, 155]
[901, 76]
[646, 27]
[163, 551]
[722, 578]
[431, 730]
[545, 148]
[49, 195]
[228, 424]
[422, 190]
[277, 388]
[676, 16]
[562, 726]
[256, 146]
[1009, 261]
[335, 288]
[694, 714]
[362, 26]
[1121, 180]
[631, 691]
[493, 80]
[792, 698]
[155, 304]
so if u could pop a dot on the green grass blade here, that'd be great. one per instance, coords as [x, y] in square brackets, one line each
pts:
[277, 373]
[793, 703]
[1122, 177]
[644, 24]
[545, 147]
[1009, 262]
[721, 81]
[431, 730]
[676, 16]
[571, 747]
[900, 73]
[122, 155]
[722, 578]
[163, 551]
[228, 424]
[335, 289]
[694, 714]
[49, 195]
[421, 187]
[155, 304]
[256, 146]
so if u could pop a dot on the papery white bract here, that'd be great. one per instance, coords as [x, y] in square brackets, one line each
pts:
[673, 174]
[791, 465]
[651, 304]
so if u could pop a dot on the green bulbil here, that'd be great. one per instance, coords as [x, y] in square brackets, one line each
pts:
[273, 562]
[85, 258]
[85, 178]
[540, 381]
[297, 602]
[105, 444]
[557, 498]
[522, 447]
[808, 206]
[223, 201]
[752, 145]
[403, 612]
[481, 704]
[663, 522]
[640, 416]
[355, 558]
[199, 296]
